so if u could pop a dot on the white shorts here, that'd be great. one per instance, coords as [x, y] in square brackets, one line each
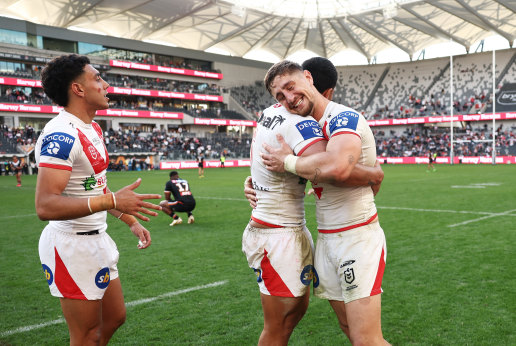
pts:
[78, 266]
[350, 264]
[282, 259]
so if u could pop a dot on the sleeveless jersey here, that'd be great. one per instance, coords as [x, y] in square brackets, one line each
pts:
[280, 195]
[68, 143]
[339, 207]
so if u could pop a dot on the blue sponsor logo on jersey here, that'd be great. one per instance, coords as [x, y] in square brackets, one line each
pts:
[344, 120]
[307, 275]
[258, 273]
[102, 278]
[309, 129]
[48, 274]
[58, 145]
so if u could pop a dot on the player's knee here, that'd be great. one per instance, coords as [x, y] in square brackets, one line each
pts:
[91, 337]
[163, 204]
[364, 338]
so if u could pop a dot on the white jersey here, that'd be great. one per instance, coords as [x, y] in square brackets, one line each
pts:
[68, 143]
[280, 195]
[338, 207]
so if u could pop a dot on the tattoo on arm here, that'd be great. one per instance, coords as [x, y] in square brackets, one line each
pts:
[370, 182]
[351, 159]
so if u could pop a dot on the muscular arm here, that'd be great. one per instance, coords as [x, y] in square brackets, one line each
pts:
[52, 205]
[332, 166]
[363, 175]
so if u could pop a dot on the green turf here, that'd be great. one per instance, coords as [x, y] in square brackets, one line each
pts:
[442, 286]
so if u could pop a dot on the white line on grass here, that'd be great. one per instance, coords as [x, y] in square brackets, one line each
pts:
[133, 303]
[505, 213]
[14, 216]
[382, 207]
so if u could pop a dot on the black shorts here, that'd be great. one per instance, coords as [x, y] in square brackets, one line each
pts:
[182, 206]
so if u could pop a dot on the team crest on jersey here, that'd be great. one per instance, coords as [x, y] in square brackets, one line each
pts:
[58, 145]
[344, 120]
[309, 129]
[48, 274]
[93, 152]
[102, 278]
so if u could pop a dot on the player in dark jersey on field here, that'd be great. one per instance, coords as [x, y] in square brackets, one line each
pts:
[17, 167]
[183, 199]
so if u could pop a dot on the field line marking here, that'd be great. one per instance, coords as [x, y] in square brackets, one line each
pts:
[482, 218]
[34, 326]
[439, 210]
[128, 304]
[14, 216]
[382, 207]
[175, 293]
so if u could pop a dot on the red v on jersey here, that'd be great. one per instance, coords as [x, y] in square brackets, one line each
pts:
[97, 162]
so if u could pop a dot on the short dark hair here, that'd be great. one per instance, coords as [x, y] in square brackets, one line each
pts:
[58, 75]
[323, 73]
[173, 173]
[280, 69]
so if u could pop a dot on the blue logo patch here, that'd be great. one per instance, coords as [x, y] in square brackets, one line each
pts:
[58, 145]
[102, 278]
[344, 120]
[48, 274]
[309, 129]
[307, 275]
[258, 273]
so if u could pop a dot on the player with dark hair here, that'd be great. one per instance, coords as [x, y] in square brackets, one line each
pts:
[276, 242]
[183, 201]
[79, 258]
[17, 168]
[351, 248]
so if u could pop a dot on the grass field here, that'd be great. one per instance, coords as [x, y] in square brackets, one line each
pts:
[450, 277]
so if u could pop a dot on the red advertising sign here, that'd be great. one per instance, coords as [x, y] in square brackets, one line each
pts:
[164, 94]
[224, 122]
[164, 69]
[207, 164]
[445, 159]
[20, 82]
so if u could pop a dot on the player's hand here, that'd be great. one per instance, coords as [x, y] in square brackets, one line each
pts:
[130, 202]
[249, 192]
[142, 234]
[275, 157]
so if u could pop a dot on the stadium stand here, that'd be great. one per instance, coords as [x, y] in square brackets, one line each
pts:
[384, 91]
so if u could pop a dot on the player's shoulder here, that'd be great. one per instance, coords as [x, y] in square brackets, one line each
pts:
[337, 109]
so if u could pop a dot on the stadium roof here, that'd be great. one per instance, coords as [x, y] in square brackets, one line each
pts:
[281, 27]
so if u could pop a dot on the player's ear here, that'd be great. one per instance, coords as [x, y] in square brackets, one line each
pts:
[308, 76]
[77, 89]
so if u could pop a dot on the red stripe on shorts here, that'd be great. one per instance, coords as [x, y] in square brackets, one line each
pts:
[377, 286]
[64, 281]
[272, 280]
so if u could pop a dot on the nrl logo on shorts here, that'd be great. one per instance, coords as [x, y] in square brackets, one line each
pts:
[89, 183]
[349, 275]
